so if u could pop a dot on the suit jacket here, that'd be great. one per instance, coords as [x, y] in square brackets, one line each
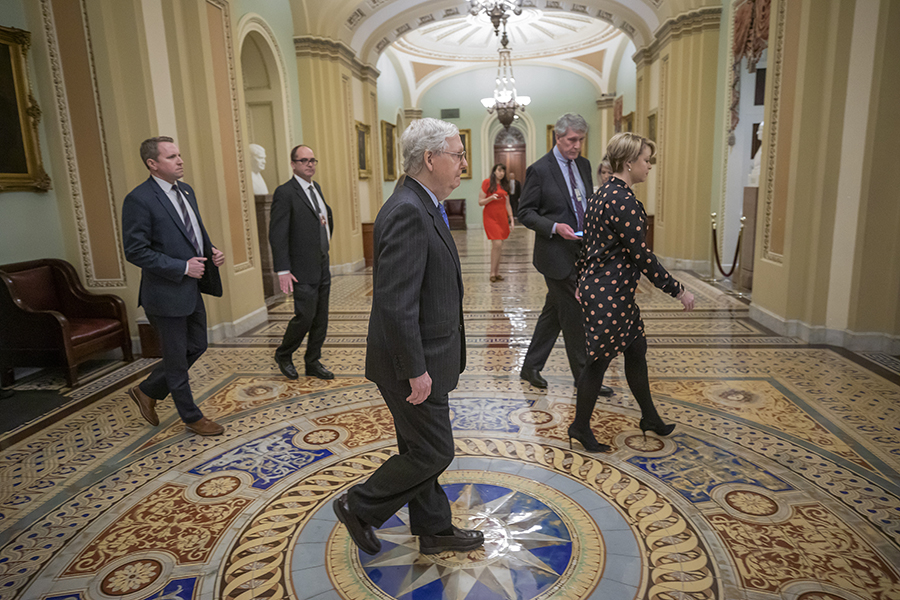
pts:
[156, 240]
[294, 232]
[515, 193]
[547, 200]
[416, 323]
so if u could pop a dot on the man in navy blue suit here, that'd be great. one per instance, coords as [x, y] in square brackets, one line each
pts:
[163, 234]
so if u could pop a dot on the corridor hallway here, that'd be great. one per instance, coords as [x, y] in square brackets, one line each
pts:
[779, 482]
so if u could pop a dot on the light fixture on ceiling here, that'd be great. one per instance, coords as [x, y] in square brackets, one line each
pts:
[506, 101]
[497, 11]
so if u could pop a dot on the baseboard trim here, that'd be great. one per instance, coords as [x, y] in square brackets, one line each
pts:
[701, 267]
[351, 267]
[819, 334]
[222, 331]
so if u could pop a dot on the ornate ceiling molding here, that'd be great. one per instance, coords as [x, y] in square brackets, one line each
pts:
[676, 27]
[339, 51]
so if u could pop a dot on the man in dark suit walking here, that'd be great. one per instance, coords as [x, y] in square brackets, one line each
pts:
[515, 191]
[300, 233]
[416, 347]
[164, 235]
[553, 204]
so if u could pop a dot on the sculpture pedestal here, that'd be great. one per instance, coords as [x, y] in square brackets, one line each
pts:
[748, 241]
[263, 218]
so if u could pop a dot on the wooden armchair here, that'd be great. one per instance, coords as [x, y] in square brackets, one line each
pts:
[48, 319]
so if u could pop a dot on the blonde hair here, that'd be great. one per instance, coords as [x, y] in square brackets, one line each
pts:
[626, 147]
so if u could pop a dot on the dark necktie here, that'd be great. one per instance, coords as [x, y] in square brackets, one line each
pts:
[323, 232]
[444, 214]
[187, 220]
[579, 209]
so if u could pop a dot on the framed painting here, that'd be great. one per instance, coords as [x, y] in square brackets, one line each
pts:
[628, 122]
[651, 125]
[466, 136]
[364, 160]
[389, 150]
[551, 141]
[618, 103]
[20, 156]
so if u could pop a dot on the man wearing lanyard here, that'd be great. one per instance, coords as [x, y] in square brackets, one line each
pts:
[553, 204]
[300, 234]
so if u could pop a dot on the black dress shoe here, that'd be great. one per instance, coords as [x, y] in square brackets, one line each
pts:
[533, 377]
[461, 540]
[605, 390]
[362, 534]
[317, 370]
[287, 368]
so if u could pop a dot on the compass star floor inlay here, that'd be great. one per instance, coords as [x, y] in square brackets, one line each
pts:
[779, 482]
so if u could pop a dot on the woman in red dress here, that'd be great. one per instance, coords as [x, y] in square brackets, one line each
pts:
[613, 259]
[498, 216]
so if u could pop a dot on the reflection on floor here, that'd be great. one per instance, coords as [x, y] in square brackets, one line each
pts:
[780, 481]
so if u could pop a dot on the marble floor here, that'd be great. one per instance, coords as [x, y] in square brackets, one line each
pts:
[779, 482]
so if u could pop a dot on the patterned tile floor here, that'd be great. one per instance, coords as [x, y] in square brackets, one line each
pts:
[780, 481]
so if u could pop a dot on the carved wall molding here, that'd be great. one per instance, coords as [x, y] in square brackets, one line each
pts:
[352, 159]
[662, 137]
[238, 136]
[771, 132]
[65, 120]
[704, 19]
[605, 101]
[338, 51]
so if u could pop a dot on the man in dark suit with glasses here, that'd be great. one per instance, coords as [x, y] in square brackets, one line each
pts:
[300, 235]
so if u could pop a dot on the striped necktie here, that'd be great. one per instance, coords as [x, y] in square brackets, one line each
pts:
[187, 220]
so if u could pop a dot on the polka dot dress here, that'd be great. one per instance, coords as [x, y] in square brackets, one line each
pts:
[612, 260]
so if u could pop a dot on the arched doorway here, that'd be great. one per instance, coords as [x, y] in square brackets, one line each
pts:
[268, 127]
[509, 149]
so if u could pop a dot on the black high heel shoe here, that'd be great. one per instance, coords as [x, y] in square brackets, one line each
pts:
[659, 428]
[587, 440]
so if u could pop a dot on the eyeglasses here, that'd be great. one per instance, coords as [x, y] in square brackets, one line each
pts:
[303, 161]
[458, 155]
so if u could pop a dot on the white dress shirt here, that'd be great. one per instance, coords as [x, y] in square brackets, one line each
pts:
[173, 198]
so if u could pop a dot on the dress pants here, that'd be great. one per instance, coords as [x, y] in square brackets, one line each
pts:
[183, 341]
[310, 316]
[425, 442]
[561, 312]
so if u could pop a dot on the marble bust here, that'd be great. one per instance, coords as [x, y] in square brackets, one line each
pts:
[753, 178]
[258, 163]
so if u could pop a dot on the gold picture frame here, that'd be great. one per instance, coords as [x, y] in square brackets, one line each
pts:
[465, 135]
[364, 158]
[21, 168]
[551, 141]
[389, 150]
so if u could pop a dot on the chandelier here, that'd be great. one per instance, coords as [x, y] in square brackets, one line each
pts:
[497, 11]
[505, 101]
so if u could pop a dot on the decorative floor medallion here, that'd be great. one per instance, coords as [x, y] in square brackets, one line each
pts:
[780, 482]
[538, 544]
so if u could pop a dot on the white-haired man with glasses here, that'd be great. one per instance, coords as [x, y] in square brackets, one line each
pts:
[300, 235]
[416, 347]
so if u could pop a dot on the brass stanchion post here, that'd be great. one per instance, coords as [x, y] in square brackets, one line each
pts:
[712, 251]
[738, 280]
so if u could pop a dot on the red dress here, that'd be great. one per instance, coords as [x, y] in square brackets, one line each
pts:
[496, 219]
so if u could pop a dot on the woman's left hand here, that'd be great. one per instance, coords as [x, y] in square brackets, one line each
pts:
[512, 223]
[687, 300]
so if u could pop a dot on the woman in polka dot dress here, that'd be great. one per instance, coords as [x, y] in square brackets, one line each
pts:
[612, 260]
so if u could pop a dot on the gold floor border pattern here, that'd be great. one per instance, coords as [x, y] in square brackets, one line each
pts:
[678, 561]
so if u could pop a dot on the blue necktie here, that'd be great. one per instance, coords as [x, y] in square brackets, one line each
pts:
[444, 214]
